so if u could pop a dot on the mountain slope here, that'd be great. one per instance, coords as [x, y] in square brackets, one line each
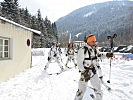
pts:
[98, 18]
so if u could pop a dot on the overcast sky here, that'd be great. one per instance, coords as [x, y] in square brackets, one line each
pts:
[55, 9]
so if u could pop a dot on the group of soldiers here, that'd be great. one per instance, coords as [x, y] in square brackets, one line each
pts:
[55, 53]
[87, 61]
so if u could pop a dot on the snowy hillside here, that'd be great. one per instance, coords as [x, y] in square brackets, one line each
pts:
[34, 84]
[101, 18]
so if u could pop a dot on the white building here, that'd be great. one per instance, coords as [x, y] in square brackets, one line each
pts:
[79, 43]
[15, 48]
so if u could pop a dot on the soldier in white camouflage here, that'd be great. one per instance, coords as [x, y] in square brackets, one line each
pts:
[87, 61]
[70, 54]
[54, 54]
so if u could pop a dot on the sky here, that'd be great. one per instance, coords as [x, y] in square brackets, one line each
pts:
[55, 9]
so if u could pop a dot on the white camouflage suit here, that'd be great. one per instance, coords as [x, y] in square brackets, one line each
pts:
[70, 54]
[99, 70]
[88, 67]
[53, 55]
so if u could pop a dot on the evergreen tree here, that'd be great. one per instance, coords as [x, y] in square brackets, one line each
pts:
[10, 9]
[21, 14]
[39, 20]
[34, 24]
[27, 17]
[55, 31]
[15, 11]
[7, 9]
[0, 11]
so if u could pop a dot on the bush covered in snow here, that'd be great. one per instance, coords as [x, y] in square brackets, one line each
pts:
[38, 52]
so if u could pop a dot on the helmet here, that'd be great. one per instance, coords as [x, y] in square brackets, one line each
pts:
[70, 45]
[58, 44]
[91, 38]
[53, 44]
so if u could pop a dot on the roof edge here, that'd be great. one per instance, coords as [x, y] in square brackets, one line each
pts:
[14, 23]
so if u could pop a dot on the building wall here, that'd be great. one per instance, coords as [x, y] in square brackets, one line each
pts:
[20, 53]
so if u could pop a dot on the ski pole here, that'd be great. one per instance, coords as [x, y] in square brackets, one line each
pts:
[109, 72]
[111, 45]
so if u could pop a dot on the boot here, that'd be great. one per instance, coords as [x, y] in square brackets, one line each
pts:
[45, 68]
[101, 78]
[62, 69]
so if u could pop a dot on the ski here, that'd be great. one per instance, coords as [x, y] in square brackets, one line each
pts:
[70, 67]
[66, 69]
[87, 86]
[105, 85]
[55, 73]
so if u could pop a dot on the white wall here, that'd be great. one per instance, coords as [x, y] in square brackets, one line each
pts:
[20, 53]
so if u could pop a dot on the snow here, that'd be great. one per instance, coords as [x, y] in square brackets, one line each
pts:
[112, 8]
[38, 52]
[77, 35]
[129, 47]
[123, 4]
[9, 21]
[35, 84]
[89, 14]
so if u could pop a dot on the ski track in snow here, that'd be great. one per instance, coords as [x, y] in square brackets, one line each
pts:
[35, 84]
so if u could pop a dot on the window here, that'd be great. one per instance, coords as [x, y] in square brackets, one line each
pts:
[4, 48]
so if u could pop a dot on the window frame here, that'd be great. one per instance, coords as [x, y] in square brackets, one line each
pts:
[3, 48]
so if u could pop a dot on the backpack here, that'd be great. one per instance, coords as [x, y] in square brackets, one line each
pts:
[89, 58]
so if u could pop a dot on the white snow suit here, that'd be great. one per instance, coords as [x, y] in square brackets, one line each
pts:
[99, 70]
[70, 54]
[87, 63]
[53, 55]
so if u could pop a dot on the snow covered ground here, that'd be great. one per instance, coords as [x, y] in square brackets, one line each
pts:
[34, 84]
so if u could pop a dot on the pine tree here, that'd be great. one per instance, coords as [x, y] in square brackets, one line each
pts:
[21, 14]
[55, 31]
[39, 20]
[15, 11]
[0, 11]
[10, 9]
[41, 27]
[27, 17]
[7, 9]
[34, 24]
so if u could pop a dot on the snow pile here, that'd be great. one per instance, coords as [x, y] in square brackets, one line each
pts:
[34, 84]
[38, 52]
[89, 14]
[129, 47]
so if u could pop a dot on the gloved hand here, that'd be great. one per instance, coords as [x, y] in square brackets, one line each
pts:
[48, 58]
[76, 51]
[99, 55]
[109, 55]
[81, 69]
[86, 75]
[66, 54]
[55, 55]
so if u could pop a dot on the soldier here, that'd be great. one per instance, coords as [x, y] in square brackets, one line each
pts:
[70, 54]
[53, 55]
[87, 61]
